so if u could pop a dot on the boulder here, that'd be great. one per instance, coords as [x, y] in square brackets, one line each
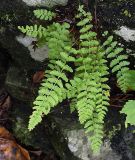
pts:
[45, 3]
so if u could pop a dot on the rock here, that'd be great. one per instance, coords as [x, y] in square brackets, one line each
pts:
[38, 54]
[19, 14]
[4, 64]
[17, 84]
[21, 55]
[124, 143]
[126, 33]
[47, 136]
[14, 12]
[46, 3]
[78, 142]
[113, 14]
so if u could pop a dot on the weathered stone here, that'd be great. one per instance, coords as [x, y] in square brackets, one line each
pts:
[126, 33]
[47, 136]
[17, 84]
[19, 54]
[38, 138]
[38, 54]
[80, 146]
[47, 3]
[111, 14]
[18, 14]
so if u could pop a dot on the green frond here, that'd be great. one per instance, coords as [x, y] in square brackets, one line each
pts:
[129, 110]
[44, 14]
[93, 92]
[58, 38]
[33, 31]
[119, 62]
[51, 91]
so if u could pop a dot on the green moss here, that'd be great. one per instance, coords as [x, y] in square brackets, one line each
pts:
[127, 13]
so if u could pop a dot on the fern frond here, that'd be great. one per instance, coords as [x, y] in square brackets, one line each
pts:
[93, 92]
[119, 62]
[58, 38]
[34, 31]
[52, 90]
[44, 14]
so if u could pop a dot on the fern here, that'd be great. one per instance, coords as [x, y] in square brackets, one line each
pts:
[129, 110]
[88, 90]
[34, 31]
[119, 62]
[52, 90]
[44, 14]
[56, 36]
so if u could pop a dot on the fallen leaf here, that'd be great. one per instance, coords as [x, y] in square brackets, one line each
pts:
[5, 100]
[5, 134]
[9, 149]
[38, 76]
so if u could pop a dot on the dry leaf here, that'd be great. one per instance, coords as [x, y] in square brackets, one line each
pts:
[38, 76]
[9, 149]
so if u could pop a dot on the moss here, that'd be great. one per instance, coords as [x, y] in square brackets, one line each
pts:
[127, 13]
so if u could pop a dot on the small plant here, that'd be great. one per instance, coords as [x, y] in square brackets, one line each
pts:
[129, 107]
[88, 88]
[129, 110]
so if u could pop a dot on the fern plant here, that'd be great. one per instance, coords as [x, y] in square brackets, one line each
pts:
[88, 89]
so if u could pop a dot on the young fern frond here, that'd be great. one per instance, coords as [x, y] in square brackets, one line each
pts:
[119, 62]
[44, 14]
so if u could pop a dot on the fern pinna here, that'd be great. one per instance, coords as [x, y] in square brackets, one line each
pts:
[88, 90]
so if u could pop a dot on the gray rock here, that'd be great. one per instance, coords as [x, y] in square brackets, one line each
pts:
[17, 84]
[126, 33]
[80, 146]
[39, 54]
[47, 3]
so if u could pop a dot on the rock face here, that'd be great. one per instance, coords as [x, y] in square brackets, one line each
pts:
[113, 14]
[38, 54]
[78, 142]
[47, 136]
[18, 85]
[126, 33]
[46, 3]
